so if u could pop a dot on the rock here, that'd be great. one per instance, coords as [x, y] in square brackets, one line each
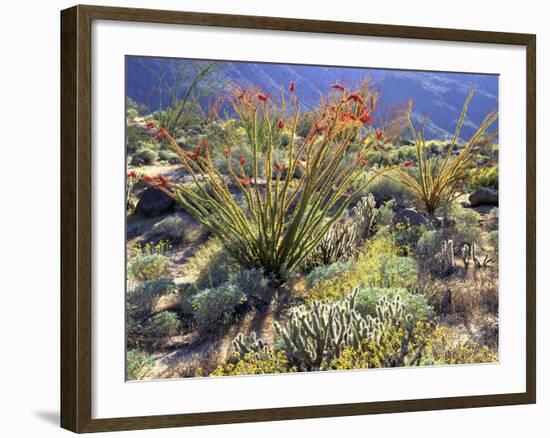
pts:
[153, 202]
[409, 216]
[483, 196]
[466, 204]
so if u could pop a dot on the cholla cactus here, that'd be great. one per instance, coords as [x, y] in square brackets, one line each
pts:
[279, 225]
[469, 254]
[444, 260]
[314, 337]
[243, 345]
[336, 245]
[366, 212]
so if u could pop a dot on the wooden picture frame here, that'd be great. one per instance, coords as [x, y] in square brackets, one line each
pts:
[76, 217]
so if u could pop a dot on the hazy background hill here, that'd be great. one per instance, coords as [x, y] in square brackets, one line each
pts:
[436, 94]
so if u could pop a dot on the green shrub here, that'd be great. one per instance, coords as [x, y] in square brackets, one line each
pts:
[273, 363]
[143, 299]
[148, 267]
[253, 283]
[415, 305]
[407, 236]
[170, 228]
[447, 346]
[147, 333]
[171, 157]
[210, 266]
[386, 188]
[492, 239]
[161, 326]
[467, 226]
[138, 364]
[429, 244]
[144, 156]
[322, 273]
[491, 221]
[215, 309]
[486, 177]
[385, 213]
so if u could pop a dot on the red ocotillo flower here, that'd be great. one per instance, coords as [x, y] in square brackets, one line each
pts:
[263, 97]
[245, 181]
[337, 86]
[292, 87]
[356, 97]
[150, 124]
[379, 134]
[162, 181]
[242, 95]
[205, 144]
[366, 119]
[279, 167]
[319, 129]
[147, 178]
[242, 161]
[191, 155]
[281, 124]
[408, 163]
[132, 174]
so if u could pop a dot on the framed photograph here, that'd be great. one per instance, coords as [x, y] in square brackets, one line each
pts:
[269, 219]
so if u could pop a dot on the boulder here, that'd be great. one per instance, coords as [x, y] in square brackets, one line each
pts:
[483, 196]
[409, 216]
[153, 202]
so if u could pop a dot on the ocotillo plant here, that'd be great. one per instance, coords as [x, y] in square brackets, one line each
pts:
[280, 224]
[437, 178]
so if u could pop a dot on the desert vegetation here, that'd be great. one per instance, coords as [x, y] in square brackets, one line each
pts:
[265, 235]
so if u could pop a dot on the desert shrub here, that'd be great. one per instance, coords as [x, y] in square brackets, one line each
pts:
[132, 113]
[491, 221]
[385, 213]
[147, 333]
[322, 273]
[134, 136]
[209, 266]
[170, 156]
[429, 244]
[486, 177]
[386, 188]
[148, 267]
[144, 156]
[467, 226]
[447, 346]
[492, 239]
[273, 363]
[407, 236]
[253, 283]
[415, 305]
[138, 364]
[161, 326]
[216, 308]
[144, 297]
[379, 264]
[170, 229]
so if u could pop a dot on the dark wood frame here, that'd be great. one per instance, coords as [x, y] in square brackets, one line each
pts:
[76, 177]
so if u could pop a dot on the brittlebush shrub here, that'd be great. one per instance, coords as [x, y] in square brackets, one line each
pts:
[379, 264]
[446, 347]
[148, 267]
[274, 363]
[487, 177]
[216, 309]
[138, 364]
